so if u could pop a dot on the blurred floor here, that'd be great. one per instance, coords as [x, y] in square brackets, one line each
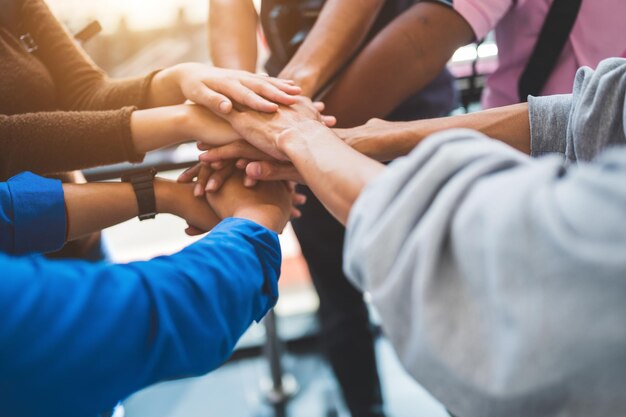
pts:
[235, 391]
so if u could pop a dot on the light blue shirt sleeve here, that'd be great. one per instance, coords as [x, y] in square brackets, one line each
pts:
[580, 125]
[500, 279]
[32, 215]
[77, 337]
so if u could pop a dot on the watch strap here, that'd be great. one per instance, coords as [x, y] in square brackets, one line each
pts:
[143, 185]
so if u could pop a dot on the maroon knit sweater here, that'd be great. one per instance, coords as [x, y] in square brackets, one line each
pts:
[58, 111]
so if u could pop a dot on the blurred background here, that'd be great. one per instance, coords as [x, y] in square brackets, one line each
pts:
[139, 36]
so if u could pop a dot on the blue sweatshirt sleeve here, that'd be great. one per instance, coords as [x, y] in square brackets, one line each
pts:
[77, 337]
[32, 215]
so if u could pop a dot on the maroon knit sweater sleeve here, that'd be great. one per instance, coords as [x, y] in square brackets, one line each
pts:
[48, 143]
[80, 84]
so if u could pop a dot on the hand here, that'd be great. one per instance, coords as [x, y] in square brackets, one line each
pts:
[210, 180]
[207, 178]
[178, 199]
[269, 204]
[216, 88]
[271, 171]
[263, 130]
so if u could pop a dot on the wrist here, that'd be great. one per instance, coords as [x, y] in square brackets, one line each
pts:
[258, 216]
[290, 140]
[163, 192]
[159, 127]
[164, 88]
[188, 119]
[306, 78]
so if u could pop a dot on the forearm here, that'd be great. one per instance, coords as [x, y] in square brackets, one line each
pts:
[335, 172]
[181, 316]
[47, 143]
[233, 46]
[94, 207]
[386, 141]
[166, 126]
[337, 34]
[401, 60]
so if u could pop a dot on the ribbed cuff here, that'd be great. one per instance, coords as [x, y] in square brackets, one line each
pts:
[39, 213]
[145, 89]
[548, 123]
[126, 136]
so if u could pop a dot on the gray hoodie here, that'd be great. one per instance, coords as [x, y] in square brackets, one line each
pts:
[500, 279]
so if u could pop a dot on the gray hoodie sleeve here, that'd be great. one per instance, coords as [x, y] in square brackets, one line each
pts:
[500, 280]
[579, 125]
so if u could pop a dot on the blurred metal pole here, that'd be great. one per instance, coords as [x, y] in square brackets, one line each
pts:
[281, 387]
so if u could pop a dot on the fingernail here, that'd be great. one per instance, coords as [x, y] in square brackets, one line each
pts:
[224, 106]
[211, 185]
[255, 170]
[197, 191]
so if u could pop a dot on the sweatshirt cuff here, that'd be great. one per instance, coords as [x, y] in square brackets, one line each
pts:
[126, 136]
[145, 89]
[39, 213]
[548, 117]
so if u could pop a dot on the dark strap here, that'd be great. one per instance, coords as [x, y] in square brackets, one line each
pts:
[554, 34]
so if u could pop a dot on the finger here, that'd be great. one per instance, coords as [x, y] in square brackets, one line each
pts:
[249, 182]
[298, 199]
[270, 92]
[251, 99]
[242, 164]
[189, 174]
[295, 213]
[217, 165]
[203, 146]
[269, 171]
[319, 106]
[329, 121]
[203, 178]
[218, 178]
[236, 150]
[214, 101]
[287, 86]
[192, 231]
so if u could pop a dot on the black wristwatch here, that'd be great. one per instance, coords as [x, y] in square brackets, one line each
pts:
[143, 184]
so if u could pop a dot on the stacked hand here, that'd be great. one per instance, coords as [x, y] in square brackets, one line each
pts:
[270, 204]
[217, 88]
[258, 155]
[255, 107]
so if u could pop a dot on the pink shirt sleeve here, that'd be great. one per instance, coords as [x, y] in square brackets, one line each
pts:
[482, 15]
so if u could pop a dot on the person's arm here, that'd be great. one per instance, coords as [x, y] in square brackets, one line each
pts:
[321, 159]
[233, 46]
[54, 142]
[96, 206]
[580, 125]
[106, 331]
[333, 170]
[337, 34]
[81, 85]
[386, 141]
[30, 204]
[492, 271]
[402, 59]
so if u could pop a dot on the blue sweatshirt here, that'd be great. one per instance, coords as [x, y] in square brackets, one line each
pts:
[76, 337]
